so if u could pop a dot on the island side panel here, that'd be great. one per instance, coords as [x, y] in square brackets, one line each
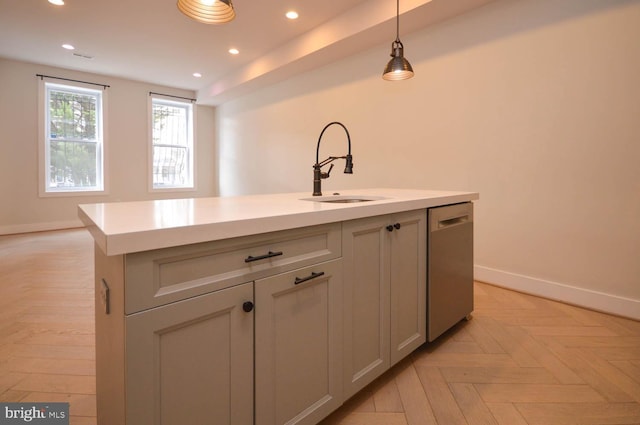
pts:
[110, 349]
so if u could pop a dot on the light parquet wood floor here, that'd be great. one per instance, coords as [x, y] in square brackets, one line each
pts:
[47, 342]
[520, 360]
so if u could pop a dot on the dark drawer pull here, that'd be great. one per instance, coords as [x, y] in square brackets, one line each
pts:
[313, 275]
[270, 254]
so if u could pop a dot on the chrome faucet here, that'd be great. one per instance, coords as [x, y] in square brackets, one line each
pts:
[318, 174]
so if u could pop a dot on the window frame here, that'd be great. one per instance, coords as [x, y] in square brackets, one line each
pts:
[191, 185]
[46, 85]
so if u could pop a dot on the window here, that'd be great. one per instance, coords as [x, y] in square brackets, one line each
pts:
[73, 139]
[172, 144]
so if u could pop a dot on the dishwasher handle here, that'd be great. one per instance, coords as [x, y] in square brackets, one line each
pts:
[448, 222]
[441, 218]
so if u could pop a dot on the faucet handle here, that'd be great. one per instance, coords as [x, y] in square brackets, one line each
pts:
[326, 175]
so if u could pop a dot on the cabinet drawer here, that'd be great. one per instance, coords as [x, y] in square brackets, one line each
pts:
[162, 276]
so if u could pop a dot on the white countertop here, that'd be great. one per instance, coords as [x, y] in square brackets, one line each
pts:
[123, 227]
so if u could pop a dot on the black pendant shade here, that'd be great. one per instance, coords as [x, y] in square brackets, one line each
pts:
[398, 67]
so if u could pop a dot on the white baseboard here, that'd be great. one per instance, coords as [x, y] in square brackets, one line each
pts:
[39, 227]
[593, 300]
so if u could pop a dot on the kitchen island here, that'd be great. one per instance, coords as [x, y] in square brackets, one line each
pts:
[265, 309]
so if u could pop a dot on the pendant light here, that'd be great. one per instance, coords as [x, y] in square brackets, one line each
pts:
[398, 67]
[208, 11]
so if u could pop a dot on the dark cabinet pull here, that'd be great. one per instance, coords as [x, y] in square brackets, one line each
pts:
[313, 275]
[247, 306]
[270, 254]
[394, 226]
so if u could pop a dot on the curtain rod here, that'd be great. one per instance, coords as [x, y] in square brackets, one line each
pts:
[169, 95]
[104, 86]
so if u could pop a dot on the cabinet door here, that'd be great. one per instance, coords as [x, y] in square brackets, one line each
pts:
[298, 353]
[366, 301]
[191, 362]
[408, 263]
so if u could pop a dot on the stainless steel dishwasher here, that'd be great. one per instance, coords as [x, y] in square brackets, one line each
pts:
[450, 267]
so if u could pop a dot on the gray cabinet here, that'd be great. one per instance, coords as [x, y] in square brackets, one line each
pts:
[173, 342]
[298, 345]
[408, 275]
[384, 293]
[366, 301]
[335, 305]
[192, 361]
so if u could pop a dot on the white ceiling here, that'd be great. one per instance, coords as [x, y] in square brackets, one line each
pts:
[151, 41]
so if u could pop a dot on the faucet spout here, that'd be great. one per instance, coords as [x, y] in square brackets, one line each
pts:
[318, 174]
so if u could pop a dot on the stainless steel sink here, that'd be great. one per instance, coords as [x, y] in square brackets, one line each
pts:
[344, 199]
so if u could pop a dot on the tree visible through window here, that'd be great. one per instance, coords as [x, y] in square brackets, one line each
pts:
[172, 144]
[73, 140]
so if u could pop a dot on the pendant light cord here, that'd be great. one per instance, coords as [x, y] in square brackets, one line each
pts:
[398, 21]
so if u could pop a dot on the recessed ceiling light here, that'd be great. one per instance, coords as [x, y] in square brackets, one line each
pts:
[197, 74]
[57, 2]
[68, 46]
[234, 51]
[292, 14]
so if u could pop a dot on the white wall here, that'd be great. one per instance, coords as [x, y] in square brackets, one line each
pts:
[533, 103]
[22, 210]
